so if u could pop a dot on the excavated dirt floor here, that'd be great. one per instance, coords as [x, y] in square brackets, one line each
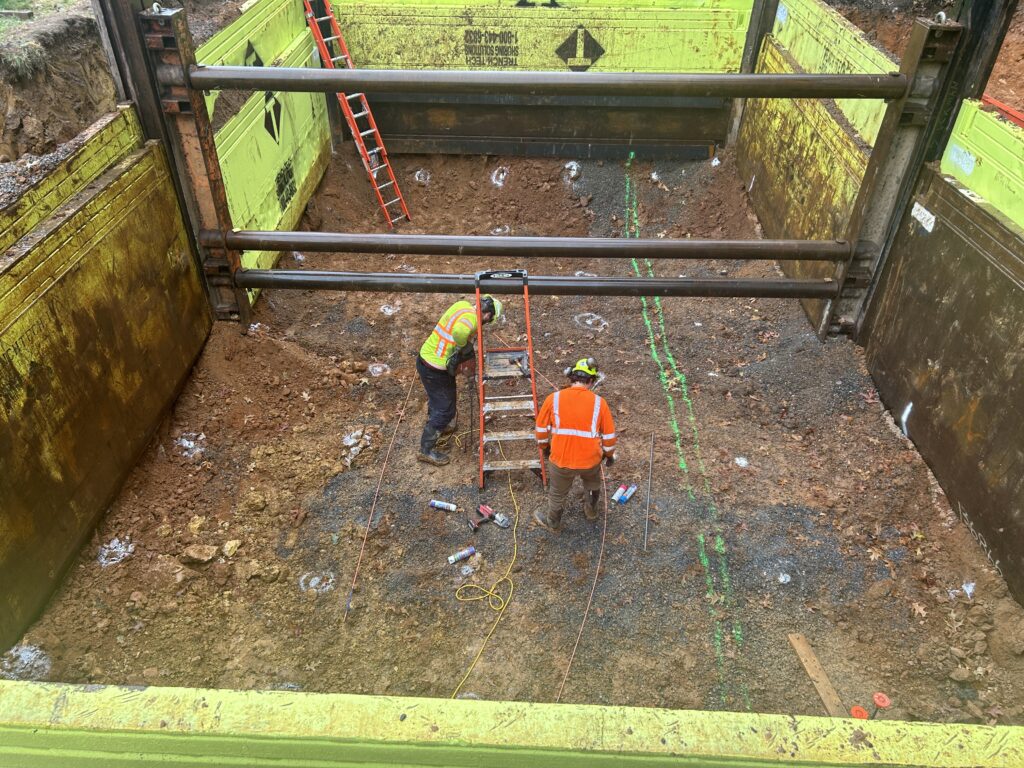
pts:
[784, 498]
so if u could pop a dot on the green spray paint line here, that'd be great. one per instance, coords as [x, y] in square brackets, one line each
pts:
[630, 200]
[723, 567]
[633, 225]
[685, 394]
[730, 601]
[632, 229]
[716, 638]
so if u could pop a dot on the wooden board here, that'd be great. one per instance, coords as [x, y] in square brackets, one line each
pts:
[829, 697]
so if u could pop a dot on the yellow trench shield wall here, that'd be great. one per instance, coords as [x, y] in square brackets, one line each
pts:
[101, 315]
[608, 35]
[273, 147]
[986, 154]
[54, 725]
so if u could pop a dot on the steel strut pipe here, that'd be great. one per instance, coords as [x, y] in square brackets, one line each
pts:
[529, 247]
[548, 285]
[437, 81]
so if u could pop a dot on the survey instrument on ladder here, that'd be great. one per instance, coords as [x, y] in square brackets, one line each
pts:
[358, 116]
[509, 364]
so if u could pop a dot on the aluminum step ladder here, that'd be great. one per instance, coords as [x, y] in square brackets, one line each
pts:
[510, 368]
[356, 109]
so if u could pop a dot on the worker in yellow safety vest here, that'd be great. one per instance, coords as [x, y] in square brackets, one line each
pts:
[448, 346]
[575, 430]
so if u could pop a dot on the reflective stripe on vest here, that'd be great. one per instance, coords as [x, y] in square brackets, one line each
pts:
[445, 336]
[577, 432]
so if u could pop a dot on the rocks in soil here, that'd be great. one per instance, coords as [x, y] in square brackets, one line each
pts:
[1006, 641]
[198, 554]
[254, 501]
[960, 674]
[230, 547]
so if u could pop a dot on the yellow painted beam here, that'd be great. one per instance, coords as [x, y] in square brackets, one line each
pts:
[602, 35]
[42, 724]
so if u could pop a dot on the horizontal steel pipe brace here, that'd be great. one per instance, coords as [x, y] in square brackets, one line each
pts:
[539, 284]
[421, 81]
[529, 247]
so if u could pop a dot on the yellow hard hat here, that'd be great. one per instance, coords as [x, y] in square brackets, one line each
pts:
[587, 365]
[490, 304]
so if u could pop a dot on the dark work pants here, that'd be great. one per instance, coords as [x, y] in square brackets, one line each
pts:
[441, 393]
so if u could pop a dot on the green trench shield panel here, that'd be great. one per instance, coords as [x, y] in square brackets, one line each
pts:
[608, 36]
[275, 147]
[822, 41]
[986, 154]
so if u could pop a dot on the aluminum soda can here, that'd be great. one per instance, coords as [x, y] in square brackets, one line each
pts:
[446, 506]
[462, 554]
[628, 494]
[618, 494]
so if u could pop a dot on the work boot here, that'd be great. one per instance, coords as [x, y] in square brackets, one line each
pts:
[428, 453]
[590, 499]
[540, 517]
[450, 428]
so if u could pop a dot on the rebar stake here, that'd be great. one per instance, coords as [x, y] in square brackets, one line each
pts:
[650, 472]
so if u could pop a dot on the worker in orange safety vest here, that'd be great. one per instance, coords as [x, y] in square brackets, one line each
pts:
[576, 431]
[447, 347]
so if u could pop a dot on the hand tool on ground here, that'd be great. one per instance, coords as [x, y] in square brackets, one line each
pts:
[484, 514]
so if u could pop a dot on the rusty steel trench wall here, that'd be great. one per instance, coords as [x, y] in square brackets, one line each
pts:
[943, 335]
[945, 345]
[102, 313]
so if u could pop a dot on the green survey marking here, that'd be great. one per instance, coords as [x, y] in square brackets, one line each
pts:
[723, 565]
[632, 229]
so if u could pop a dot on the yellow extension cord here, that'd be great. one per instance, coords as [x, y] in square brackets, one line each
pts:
[469, 593]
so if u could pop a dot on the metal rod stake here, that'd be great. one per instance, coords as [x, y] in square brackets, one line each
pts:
[650, 473]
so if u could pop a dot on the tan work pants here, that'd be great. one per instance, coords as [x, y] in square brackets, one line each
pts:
[559, 483]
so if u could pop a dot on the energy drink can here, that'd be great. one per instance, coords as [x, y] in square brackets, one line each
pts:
[618, 494]
[446, 506]
[627, 495]
[462, 554]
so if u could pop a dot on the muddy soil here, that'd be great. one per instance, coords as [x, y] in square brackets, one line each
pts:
[54, 82]
[784, 498]
[888, 26]
[1006, 83]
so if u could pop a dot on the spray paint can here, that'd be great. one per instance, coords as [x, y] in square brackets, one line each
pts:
[446, 506]
[462, 554]
[618, 494]
[628, 494]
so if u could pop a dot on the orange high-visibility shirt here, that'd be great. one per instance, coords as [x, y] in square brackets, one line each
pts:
[579, 426]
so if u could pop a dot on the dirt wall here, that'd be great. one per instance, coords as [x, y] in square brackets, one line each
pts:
[54, 82]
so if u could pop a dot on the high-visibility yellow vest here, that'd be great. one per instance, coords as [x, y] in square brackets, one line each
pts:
[453, 331]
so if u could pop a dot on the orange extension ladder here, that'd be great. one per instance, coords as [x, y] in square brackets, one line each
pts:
[508, 366]
[375, 157]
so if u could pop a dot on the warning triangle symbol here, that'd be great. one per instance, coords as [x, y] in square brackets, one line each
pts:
[580, 50]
